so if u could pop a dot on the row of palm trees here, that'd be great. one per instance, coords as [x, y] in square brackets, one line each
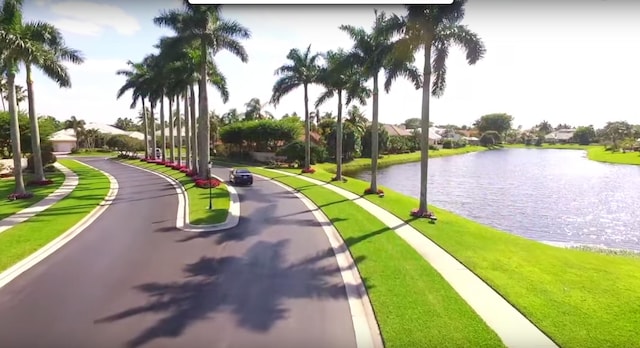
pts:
[30, 45]
[378, 56]
[184, 60]
[381, 55]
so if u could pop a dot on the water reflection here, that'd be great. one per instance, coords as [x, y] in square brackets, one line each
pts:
[549, 195]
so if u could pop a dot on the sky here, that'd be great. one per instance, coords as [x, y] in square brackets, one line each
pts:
[557, 61]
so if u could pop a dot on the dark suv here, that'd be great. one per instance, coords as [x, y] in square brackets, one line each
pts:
[241, 177]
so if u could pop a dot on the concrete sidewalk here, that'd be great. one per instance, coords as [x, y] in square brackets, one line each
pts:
[509, 324]
[69, 184]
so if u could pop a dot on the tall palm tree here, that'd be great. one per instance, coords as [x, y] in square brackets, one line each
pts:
[203, 26]
[137, 78]
[50, 38]
[434, 29]
[301, 70]
[374, 52]
[21, 95]
[339, 76]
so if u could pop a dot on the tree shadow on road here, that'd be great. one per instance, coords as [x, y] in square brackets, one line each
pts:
[254, 287]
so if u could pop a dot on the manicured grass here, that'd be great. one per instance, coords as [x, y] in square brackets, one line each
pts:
[414, 305]
[599, 154]
[579, 298]
[8, 208]
[199, 213]
[25, 238]
[360, 164]
[594, 152]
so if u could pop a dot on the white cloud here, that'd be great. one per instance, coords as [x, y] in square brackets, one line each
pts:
[93, 15]
[77, 27]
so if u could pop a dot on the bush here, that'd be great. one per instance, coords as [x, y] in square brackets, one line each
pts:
[47, 159]
[448, 144]
[383, 141]
[294, 151]
[490, 138]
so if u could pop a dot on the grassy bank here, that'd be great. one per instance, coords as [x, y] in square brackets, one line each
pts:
[414, 305]
[360, 164]
[199, 213]
[594, 152]
[579, 298]
[7, 185]
[25, 238]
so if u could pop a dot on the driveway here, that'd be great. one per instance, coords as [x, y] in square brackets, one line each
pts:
[132, 280]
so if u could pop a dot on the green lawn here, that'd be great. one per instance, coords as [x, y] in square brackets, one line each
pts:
[579, 298]
[8, 208]
[414, 305]
[360, 164]
[199, 213]
[594, 152]
[27, 237]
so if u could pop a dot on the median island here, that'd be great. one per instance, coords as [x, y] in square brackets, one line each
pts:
[196, 189]
[573, 296]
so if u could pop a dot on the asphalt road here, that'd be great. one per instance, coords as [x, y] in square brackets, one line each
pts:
[132, 280]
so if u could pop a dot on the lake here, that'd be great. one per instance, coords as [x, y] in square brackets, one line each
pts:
[554, 196]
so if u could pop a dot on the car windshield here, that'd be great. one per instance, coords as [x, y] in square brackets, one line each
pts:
[242, 171]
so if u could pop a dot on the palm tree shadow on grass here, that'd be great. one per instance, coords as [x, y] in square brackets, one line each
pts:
[254, 287]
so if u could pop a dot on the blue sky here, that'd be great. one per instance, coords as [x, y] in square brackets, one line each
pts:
[556, 61]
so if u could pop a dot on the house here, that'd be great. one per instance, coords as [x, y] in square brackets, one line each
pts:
[396, 131]
[175, 134]
[434, 137]
[472, 140]
[65, 140]
[560, 136]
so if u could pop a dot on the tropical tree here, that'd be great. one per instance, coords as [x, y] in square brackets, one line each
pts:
[255, 110]
[357, 119]
[340, 77]
[49, 61]
[21, 95]
[434, 29]
[376, 51]
[302, 70]
[231, 116]
[78, 127]
[137, 80]
[202, 26]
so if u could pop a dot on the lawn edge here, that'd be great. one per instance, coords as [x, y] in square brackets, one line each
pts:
[182, 216]
[41, 254]
[361, 317]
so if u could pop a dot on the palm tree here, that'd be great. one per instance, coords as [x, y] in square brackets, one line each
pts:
[78, 127]
[202, 26]
[339, 76]
[3, 87]
[374, 52]
[137, 79]
[434, 29]
[255, 110]
[302, 70]
[231, 116]
[21, 96]
[357, 119]
[50, 38]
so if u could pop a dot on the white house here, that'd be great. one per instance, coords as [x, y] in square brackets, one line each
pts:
[434, 137]
[561, 135]
[65, 140]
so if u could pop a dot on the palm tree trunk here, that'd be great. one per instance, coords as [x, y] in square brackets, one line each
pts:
[172, 144]
[374, 137]
[162, 131]
[145, 126]
[38, 168]
[179, 126]
[154, 139]
[187, 129]
[424, 136]
[307, 133]
[194, 129]
[339, 139]
[203, 114]
[15, 131]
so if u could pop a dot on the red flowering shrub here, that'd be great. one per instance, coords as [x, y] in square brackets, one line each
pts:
[205, 183]
[189, 173]
[423, 214]
[144, 159]
[368, 191]
[14, 196]
[40, 182]
[308, 170]
[177, 166]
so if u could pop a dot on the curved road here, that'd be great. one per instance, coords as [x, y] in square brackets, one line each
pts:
[132, 280]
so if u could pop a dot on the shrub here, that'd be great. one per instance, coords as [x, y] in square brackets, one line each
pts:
[47, 158]
[448, 144]
[294, 151]
[490, 138]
